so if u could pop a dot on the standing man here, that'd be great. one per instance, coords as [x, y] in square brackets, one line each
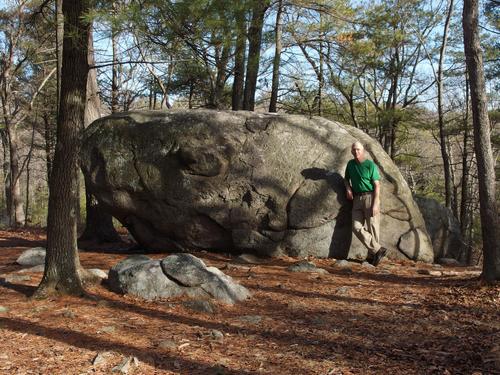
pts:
[362, 182]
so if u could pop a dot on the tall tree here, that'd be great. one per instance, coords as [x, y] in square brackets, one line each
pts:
[13, 26]
[98, 223]
[277, 58]
[490, 224]
[254, 46]
[62, 264]
[239, 60]
[443, 141]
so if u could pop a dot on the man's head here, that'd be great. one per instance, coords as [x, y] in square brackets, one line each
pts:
[358, 151]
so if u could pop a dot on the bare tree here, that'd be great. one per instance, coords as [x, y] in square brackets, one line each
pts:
[486, 168]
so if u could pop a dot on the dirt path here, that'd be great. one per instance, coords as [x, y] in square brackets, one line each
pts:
[390, 320]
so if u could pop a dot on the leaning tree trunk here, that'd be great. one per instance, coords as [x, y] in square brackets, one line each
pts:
[443, 138]
[98, 223]
[62, 264]
[490, 224]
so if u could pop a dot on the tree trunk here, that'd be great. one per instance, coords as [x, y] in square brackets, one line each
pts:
[277, 59]
[16, 213]
[490, 225]
[465, 214]
[443, 139]
[50, 140]
[115, 105]
[62, 264]
[254, 46]
[239, 62]
[98, 223]
[59, 47]
[28, 184]
[6, 171]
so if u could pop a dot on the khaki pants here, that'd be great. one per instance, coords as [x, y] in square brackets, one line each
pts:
[365, 226]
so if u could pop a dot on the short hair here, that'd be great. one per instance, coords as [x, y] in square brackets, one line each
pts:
[358, 143]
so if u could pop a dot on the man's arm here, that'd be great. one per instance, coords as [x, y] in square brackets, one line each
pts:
[348, 189]
[376, 198]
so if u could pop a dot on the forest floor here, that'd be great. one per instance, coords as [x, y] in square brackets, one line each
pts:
[398, 318]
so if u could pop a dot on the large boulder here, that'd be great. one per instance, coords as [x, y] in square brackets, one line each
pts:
[442, 226]
[241, 182]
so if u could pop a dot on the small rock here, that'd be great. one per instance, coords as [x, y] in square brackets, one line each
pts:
[32, 257]
[367, 265]
[126, 365]
[167, 344]
[305, 266]
[98, 273]
[101, 357]
[252, 319]
[202, 306]
[342, 263]
[429, 272]
[248, 259]
[450, 262]
[108, 329]
[3, 309]
[451, 273]
[342, 291]
[69, 314]
[17, 278]
[35, 269]
[103, 303]
[216, 335]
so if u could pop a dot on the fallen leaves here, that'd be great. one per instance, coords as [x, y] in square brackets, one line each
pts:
[394, 319]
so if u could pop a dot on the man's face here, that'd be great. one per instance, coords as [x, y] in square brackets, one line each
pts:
[358, 152]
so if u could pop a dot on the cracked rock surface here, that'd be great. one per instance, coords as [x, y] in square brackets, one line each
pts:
[242, 182]
[174, 276]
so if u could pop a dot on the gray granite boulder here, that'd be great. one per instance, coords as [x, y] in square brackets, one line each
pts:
[32, 257]
[241, 182]
[143, 279]
[174, 276]
[442, 226]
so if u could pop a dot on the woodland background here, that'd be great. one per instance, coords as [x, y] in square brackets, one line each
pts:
[395, 69]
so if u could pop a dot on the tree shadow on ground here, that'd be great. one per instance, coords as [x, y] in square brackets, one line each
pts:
[21, 242]
[154, 357]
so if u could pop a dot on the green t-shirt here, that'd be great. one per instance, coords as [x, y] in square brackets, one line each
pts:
[361, 175]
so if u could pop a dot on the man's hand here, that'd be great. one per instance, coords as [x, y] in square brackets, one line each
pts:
[349, 194]
[375, 208]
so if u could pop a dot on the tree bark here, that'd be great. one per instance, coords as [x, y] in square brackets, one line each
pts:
[59, 47]
[115, 106]
[254, 46]
[443, 139]
[98, 223]
[239, 62]
[62, 264]
[277, 59]
[16, 205]
[490, 225]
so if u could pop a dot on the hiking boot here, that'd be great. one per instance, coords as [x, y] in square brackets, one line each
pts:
[378, 256]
